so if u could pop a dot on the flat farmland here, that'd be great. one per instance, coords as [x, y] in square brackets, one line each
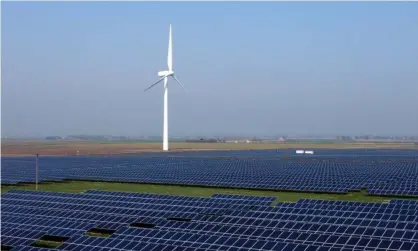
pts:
[71, 148]
[272, 200]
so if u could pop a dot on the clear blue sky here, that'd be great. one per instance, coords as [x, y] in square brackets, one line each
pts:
[250, 68]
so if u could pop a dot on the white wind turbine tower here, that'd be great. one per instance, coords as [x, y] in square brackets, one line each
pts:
[164, 76]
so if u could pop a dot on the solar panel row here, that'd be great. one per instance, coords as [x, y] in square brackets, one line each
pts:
[379, 211]
[396, 174]
[155, 200]
[289, 226]
[26, 248]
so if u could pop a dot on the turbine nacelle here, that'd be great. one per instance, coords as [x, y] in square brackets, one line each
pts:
[165, 73]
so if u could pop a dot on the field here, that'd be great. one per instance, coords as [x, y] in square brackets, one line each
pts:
[349, 199]
[71, 148]
[81, 186]
[279, 173]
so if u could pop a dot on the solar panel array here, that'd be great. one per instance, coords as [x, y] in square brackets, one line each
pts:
[141, 221]
[382, 172]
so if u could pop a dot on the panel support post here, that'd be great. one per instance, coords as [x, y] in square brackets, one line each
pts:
[36, 172]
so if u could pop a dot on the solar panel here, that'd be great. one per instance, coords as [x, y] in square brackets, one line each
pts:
[144, 221]
[394, 173]
[266, 226]
[26, 248]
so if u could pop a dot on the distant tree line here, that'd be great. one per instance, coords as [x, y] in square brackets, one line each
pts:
[202, 140]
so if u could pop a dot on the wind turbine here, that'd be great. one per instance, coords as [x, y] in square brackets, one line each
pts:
[164, 76]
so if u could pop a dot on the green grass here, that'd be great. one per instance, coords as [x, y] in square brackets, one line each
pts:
[95, 234]
[46, 244]
[81, 186]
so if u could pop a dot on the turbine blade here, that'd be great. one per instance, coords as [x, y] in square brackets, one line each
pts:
[158, 81]
[179, 82]
[170, 52]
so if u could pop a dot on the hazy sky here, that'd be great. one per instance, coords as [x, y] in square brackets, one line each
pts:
[250, 68]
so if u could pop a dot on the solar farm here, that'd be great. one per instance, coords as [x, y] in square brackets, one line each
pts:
[120, 220]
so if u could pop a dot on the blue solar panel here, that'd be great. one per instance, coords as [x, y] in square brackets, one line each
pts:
[26, 248]
[308, 224]
[382, 172]
[144, 221]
